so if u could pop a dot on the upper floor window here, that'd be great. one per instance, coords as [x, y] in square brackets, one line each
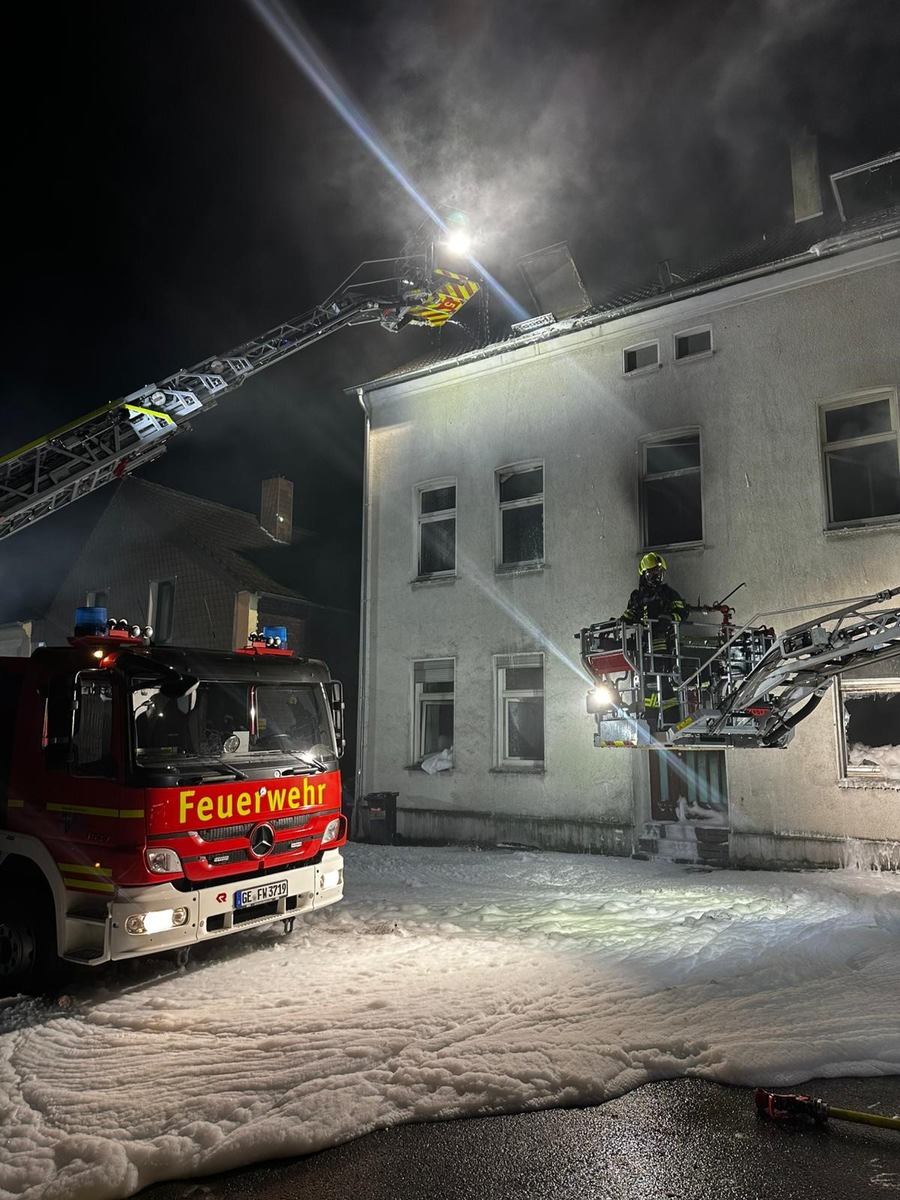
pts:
[433, 703]
[162, 610]
[860, 458]
[520, 709]
[671, 489]
[640, 358]
[520, 493]
[436, 513]
[693, 343]
[97, 599]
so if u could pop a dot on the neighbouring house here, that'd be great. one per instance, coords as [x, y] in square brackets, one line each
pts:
[205, 575]
[741, 419]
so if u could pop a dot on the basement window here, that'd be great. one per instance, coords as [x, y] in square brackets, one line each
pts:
[693, 343]
[870, 728]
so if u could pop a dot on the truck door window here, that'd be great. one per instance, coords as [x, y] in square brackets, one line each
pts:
[92, 739]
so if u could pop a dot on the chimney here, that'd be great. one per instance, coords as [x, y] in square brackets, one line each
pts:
[276, 513]
[805, 177]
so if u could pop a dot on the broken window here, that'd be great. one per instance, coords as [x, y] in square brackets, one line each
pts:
[870, 726]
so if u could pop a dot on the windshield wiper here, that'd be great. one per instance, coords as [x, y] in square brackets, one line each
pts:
[220, 768]
[316, 764]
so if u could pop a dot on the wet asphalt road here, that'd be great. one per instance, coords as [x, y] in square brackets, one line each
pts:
[684, 1138]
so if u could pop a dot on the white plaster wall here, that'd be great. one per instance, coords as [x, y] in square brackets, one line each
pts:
[781, 345]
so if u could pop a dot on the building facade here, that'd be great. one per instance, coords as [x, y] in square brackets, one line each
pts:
[747, 428]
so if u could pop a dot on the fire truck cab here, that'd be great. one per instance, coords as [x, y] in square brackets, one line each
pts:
[155, 797]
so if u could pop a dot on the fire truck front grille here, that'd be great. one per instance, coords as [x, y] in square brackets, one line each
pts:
[225, 833]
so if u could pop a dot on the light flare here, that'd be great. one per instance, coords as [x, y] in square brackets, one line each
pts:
[286, 28]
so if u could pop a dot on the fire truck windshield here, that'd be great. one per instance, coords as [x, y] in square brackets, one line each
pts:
[222, 722]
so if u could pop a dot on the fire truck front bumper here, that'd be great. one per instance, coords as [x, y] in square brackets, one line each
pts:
[154, 919]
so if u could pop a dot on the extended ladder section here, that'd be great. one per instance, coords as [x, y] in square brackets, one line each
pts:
[699, 685]
[109, 442]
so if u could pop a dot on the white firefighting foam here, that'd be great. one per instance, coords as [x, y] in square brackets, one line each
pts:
[449, 983]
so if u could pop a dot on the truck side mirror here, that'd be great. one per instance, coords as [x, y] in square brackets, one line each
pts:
[336, 692]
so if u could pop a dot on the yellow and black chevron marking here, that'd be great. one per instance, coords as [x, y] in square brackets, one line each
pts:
[448, 299]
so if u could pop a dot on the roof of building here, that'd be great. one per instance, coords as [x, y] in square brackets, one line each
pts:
[817, 238]
[222, 534]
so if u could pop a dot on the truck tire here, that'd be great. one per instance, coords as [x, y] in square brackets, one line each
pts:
[28, 957]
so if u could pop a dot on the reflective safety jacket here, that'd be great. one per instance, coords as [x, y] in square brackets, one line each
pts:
[646, 603]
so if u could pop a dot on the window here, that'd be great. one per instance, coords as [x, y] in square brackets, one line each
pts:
[870, 728]
[162, 610]
[432, 706]
[436, 511]
[92, 745]
[97, 599]
[860, 458]
[693, 343]
[521, 510]
[520, 710]
[670, 490]
[640, 358]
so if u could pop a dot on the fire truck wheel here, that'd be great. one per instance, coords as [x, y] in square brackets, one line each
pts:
[28, 960]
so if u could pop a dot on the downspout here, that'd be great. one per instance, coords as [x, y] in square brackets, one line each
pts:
[364, 627]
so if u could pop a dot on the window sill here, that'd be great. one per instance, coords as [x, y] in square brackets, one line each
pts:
[432, 580]
[533, 568]
[870, 783]
[649, 370]
[512, 769]
[677, 547]
[882, 525]
[686, 358]
[418, 768]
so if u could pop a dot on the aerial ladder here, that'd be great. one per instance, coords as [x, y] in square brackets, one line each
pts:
[102, 446]
[701, 685]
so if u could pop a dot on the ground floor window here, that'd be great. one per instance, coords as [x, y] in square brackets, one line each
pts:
[688, 785]
[433, 703]
[870, 727]
[519, 680]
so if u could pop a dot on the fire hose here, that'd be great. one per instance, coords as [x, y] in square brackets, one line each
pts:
[784, 1107]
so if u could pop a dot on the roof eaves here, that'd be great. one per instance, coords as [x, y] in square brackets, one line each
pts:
[841, 243]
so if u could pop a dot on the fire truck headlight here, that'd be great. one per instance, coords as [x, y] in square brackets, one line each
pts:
[330, 879]
[156, 922]
[600, 698]
[162, 861]
[332, 830]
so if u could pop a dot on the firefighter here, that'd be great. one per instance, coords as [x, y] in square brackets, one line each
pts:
[655, 604]
[653, 597]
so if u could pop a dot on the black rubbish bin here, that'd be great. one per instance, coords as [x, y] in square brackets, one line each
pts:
[379, 813]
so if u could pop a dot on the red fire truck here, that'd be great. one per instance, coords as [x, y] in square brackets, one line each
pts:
[153, 798]
[150, 797]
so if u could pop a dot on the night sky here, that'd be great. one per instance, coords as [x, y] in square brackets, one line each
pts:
[176, 185]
